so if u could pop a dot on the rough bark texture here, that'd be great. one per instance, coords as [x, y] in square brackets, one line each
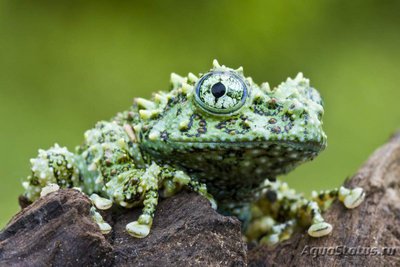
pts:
[57, 230]
[375, 223]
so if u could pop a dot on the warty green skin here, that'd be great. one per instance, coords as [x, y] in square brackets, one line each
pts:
[226, 148]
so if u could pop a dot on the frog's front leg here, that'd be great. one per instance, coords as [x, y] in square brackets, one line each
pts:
[171, 181]
[148, 187]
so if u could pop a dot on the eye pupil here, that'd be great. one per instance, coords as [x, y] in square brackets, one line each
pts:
[218, 90]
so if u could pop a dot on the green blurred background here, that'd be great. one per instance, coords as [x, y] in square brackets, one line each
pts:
[66, 64]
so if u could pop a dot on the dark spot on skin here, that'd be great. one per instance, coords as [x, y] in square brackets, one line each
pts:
[272, 121]
[321, 196]
[292, 106]
[285, 117]
[130, 116]
[244, 126]
[171, 101]
[304, 115]
[312, 213]
[108, 163]
[196, 116]
[164, 136]
[271, 196]
[202, 130]
[276, 129]
[319, 115]
[272, 103]
[202, 124]
[220, 125]
[34, 181]
[266, 110]
[178, 112]
[288, 127]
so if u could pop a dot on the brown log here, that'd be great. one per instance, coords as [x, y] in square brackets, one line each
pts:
[57, 230]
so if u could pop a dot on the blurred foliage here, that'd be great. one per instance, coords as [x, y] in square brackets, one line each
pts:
[66, 64]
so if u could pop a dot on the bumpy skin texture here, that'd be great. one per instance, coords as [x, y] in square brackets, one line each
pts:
[221, 135]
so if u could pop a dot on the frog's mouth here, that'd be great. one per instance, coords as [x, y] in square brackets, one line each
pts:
[240, 145]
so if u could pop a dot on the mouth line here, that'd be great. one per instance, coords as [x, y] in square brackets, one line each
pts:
[295, 144]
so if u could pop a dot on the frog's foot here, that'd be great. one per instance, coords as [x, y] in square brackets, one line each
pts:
[279, 232]
[351, 198]
[105, 228]
[141, 227]
[174, 180]
[319, 229]
[318, 226]
[49, 189]
[100, 202]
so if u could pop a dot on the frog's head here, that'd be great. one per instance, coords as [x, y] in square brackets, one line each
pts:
[223, 122]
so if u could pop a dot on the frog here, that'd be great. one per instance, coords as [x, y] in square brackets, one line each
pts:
[219, 134]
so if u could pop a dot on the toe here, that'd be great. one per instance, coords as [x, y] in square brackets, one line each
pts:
[49, 189]
[100, 202]
[355, 198]
[320, 229]
[138, 230]
[105, 228]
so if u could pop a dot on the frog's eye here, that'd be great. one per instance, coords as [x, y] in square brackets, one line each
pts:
[221, 92]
